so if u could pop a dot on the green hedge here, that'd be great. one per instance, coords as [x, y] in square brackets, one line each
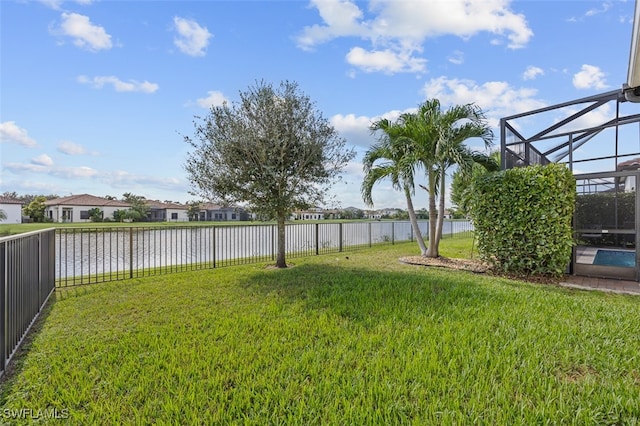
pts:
[522, 219]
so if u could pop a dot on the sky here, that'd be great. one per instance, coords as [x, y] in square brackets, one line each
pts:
[97, 96]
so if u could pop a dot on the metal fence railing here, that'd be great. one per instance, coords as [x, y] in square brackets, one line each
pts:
[93, 255]
[27, 279]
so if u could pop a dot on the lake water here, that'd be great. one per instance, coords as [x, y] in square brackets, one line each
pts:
[105, 251]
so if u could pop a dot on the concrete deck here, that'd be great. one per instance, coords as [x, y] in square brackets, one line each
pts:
[601, 284]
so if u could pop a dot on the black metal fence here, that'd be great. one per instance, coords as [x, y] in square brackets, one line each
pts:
[94, 255]
[27, 279]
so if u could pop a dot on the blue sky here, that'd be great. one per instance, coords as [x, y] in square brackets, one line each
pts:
[96, 95]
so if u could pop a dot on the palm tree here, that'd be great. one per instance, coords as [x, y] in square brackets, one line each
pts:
[392, 157]
[440, 138]
[459, 124]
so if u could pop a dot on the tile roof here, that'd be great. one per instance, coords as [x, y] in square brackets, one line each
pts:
[155, 204]
[86, 200]
[4, 200]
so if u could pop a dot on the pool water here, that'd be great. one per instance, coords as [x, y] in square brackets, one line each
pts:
[615, 258]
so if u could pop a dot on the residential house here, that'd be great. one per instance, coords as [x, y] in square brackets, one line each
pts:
[75, 208]
[215, 213]
[12, 209]
[333, 214]
[373, 214]
[166, 212]
[390, 213]
[316, 213]
[628, 182]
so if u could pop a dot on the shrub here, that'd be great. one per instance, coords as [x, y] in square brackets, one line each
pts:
[523, 217]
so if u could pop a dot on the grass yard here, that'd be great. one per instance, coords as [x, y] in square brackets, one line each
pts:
[356, 338]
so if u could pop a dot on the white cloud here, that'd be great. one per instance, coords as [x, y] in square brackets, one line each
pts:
[124, 179]
[594, 118]
[56, 4]
[590, 77]
[49, 169]
[52, 4]
[42, 160]
[214, 98]
[401, 27]
[192, 39]
[605, 6]
[355, 129]
[85, 34]
[496, 98]
[457, 57]
[386, 61]
[120, 86]
[71, 148]
[10, 132]
[75, 172]
[531, 73]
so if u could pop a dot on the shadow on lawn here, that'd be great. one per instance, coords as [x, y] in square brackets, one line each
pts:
[373, 295]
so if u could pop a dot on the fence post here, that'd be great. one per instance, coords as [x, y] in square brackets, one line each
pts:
[393, 233]
[317, 238]
[214, 246]
[40, 257]
[131, 252]
[3, 304]
[411, 232]
[369, 232]
[273, 243]
[340, 237]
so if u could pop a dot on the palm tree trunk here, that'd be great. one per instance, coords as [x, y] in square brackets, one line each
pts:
[414, 222]
[433, 247]
[280, 260]
[440, 210]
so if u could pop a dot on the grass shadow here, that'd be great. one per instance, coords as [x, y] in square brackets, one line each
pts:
[369, 296]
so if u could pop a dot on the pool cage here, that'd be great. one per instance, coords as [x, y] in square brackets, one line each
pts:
[598, 138]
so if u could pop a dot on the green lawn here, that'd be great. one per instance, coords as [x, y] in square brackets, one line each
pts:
[356, 338]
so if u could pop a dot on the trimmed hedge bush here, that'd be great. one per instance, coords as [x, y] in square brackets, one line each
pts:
[522, 219]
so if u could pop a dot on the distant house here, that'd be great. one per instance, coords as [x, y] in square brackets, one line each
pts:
[389, 212]
[213, 213]
[166, 212]
[12, 209]
[373, 214]
[312, 214]
[75, 208]
[333, 214]
[628, 182]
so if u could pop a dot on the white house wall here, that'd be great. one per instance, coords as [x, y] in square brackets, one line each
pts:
[13, 212]
[55, 213]
[180, 214]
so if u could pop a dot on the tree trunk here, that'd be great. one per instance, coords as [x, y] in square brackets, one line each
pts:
[433, 247]
[440, 210]
[280, 261]
[414, 222]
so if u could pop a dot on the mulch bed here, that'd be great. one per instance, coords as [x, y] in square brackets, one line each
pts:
[475, 266]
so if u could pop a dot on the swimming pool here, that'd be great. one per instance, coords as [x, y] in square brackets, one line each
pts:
[615, 258]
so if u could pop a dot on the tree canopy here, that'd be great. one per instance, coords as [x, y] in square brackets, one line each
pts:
[272, 150]
[430, 140]
[35, 209]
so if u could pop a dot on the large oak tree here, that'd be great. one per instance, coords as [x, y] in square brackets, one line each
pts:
[272, 150]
